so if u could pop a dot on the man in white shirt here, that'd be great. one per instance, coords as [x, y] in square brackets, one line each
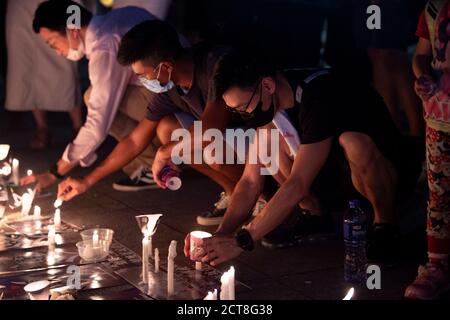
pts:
[116, 100]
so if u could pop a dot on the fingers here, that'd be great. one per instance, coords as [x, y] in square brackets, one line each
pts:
[28, 180]
[187, 245]
[63, 187]
[210, 257]
[70, 195]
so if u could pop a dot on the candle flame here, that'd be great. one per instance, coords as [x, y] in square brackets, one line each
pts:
[29, 172]
[58, 203]
[349, 294]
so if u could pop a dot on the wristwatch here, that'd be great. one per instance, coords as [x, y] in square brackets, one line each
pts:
[244, 240]
[54, 171]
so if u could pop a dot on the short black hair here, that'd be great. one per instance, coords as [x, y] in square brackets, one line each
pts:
[52, 14]
[151, 42]
[242, 69]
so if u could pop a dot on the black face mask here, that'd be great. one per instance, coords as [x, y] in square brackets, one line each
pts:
[259, 118]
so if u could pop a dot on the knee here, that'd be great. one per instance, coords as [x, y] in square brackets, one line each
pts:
[164, 129]
[359, 149]
[87, 95]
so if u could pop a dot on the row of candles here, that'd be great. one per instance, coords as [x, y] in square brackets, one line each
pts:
[227, 290]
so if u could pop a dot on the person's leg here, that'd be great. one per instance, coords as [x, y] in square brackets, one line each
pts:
[41, 138]
[76, 116]
[164, 130]
[384, 81]
[372, 174]
[434, 278]
[132, 110]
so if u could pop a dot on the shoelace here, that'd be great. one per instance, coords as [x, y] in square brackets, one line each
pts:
[139, 173]
[223, 201]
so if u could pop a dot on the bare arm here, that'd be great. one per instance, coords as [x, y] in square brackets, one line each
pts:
[308, 162]
[422, 58]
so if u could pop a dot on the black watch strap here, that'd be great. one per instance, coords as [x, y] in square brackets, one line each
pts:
[244, 240]
[54, 171]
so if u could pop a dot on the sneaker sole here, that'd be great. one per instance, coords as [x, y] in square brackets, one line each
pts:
[119, 187]
[320, 237]
[209, 221]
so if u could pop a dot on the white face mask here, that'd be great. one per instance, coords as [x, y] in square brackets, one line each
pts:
[75, 54]
[154, 85]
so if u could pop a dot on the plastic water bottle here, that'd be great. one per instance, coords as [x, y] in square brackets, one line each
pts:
[170, 178]
[355, 264]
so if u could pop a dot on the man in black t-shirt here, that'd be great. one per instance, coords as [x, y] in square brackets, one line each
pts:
[348, 142]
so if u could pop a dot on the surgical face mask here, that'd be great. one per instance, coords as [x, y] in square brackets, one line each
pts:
[154, 85]
[258, 117]
[75, 54]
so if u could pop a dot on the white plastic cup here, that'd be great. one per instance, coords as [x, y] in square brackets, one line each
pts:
[196, 252]
[39, 290]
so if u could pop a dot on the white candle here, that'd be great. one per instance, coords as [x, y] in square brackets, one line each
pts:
[29, 172]
[156, 260]
[37, 212]
[171, 267]
[349, 294]
[51, 235]
[58, 203]
[209, 296]
[4, 150]
[214, 297]
[57, 219]
[95, 239]
[231, 284]
[145, 244]
[27, 201]
[198, 266]
[15, 172]
[224, 291]
[150, 246]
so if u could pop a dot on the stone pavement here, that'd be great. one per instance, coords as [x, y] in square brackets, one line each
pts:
[313, 271]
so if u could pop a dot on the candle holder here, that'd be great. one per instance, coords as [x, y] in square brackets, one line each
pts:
[104, 234]
[39, 290]
[196, 252]
[90, 253]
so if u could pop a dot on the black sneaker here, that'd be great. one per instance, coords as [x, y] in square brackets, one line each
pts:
[383, 242]
[141, 179]
[215, 217]
[304, 228]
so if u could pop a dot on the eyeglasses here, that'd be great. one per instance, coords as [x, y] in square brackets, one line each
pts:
[242, 110]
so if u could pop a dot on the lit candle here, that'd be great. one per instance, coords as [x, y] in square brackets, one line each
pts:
[51, 235]
[231, 284]
[156, 260]
[29, 172]
[27, 201]
[145, 245]
[171, 267]
[349, 294]
[57, 219]
[15, 172]
[37, 212]
[95, 239]
[4, 150]
[224, 291]
[209, 296]
[214, 297]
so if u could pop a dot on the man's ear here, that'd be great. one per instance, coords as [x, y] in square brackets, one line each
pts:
[269, 84]
[167, 65]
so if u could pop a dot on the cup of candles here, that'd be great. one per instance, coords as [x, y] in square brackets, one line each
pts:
[103, 234]
[196, 252]
[39, 290]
